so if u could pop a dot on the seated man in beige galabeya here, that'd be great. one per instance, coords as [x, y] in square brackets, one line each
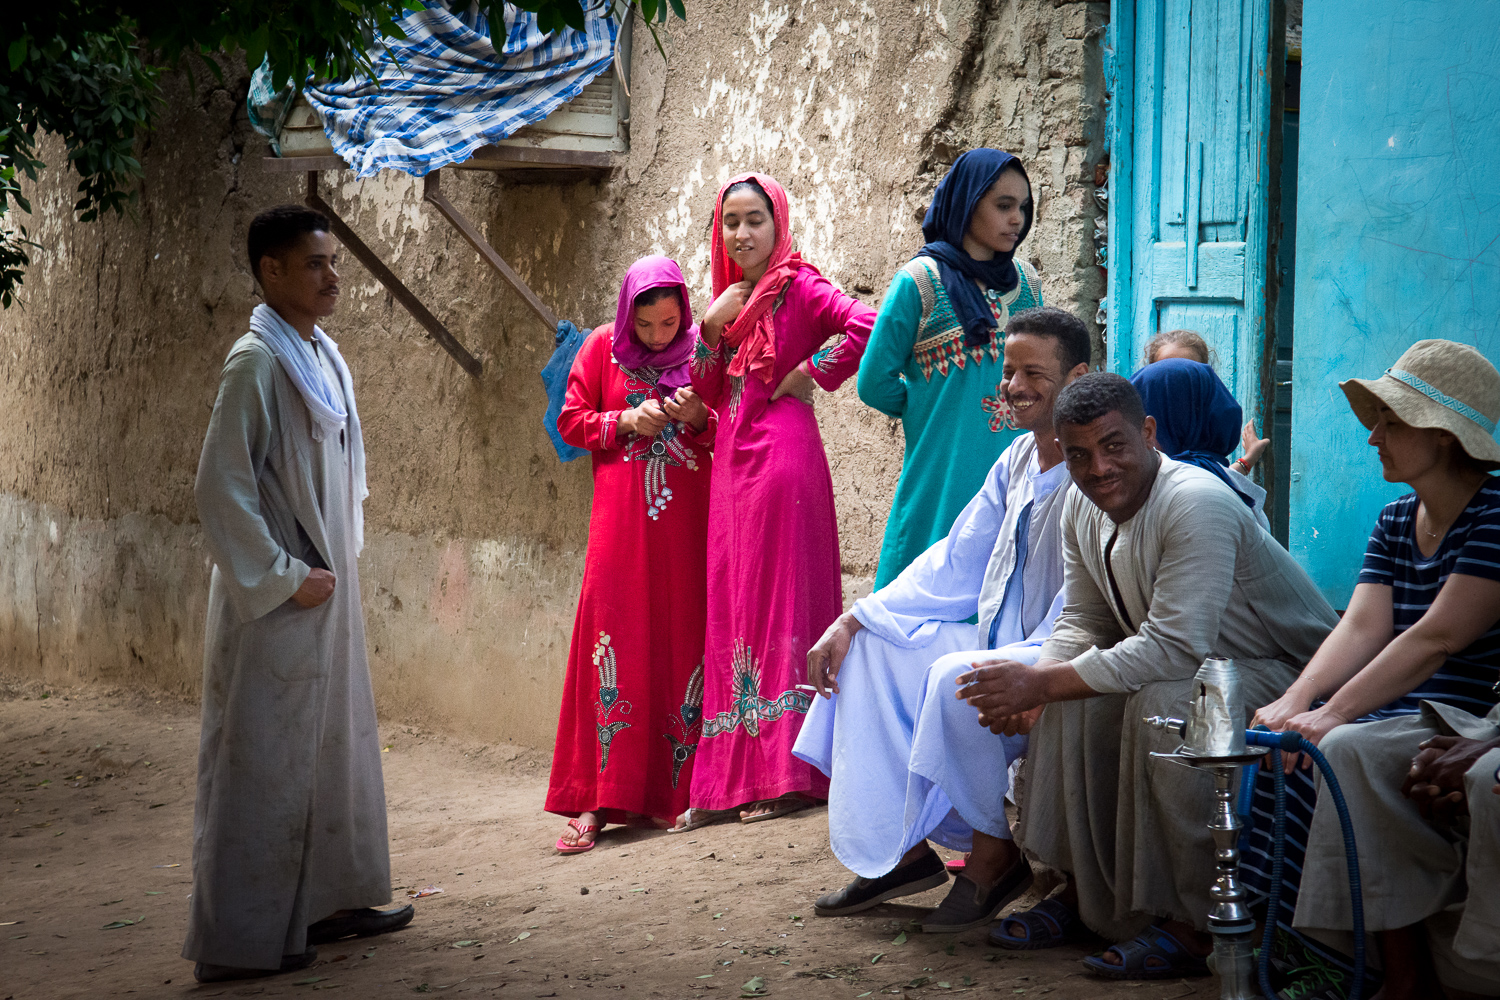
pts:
[1164, 566]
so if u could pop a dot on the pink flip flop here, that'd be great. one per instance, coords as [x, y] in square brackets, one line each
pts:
[584, 829]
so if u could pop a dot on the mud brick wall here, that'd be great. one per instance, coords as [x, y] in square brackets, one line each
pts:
[109, 365]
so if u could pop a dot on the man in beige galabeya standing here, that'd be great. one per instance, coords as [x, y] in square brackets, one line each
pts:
[289, 832]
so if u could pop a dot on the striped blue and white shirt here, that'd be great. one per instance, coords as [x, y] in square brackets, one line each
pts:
[1471, 548]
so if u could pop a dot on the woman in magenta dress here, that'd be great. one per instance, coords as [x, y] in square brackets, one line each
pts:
[773, 554]
[632, 702]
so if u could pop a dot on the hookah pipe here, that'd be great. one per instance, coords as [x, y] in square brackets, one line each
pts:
[1292, 742]
[1214, 741]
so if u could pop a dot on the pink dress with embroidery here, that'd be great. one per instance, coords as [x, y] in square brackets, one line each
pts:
[632, 701]
[773, 555]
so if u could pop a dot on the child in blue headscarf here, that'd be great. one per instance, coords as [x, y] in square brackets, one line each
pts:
[934, 358]
[1197, 422]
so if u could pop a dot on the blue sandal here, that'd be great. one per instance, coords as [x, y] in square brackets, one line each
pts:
[1046, 925]
[1153, 942]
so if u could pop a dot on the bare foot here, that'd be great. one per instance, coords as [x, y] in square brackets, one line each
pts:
[695, 817]
[572, 838]
[642, 821]
[768, 808]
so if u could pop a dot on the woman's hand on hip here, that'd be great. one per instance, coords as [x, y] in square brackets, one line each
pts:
[798, 384]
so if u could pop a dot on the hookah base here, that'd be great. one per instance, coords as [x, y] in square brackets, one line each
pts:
[1233, 961]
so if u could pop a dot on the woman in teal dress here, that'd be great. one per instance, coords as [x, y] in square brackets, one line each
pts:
[935, 356]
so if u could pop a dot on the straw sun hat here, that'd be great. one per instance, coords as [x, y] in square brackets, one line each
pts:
[1440, 384]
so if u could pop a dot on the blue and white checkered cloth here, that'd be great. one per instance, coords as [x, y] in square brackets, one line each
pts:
[444, 90]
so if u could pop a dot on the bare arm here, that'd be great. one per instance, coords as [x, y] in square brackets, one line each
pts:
[1364, 631]
[1466, 608]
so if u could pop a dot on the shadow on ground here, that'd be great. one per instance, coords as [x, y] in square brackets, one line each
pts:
[95, 841]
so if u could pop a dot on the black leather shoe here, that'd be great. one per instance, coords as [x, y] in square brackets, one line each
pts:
[967, 906]
[206, 973]
[360, 923]
[927, 872]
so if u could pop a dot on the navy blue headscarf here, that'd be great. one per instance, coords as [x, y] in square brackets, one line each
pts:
[1197, 420]
[944, 227]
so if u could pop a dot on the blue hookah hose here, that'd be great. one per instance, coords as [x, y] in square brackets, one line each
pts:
[1292, 742]
[1278, 862]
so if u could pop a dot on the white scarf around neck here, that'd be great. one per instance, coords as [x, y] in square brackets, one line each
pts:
[325, 402]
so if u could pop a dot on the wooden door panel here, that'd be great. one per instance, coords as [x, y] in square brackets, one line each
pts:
[1194, 139]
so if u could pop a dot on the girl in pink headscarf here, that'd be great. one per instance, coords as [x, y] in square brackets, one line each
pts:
[633, 699]
[773, 554]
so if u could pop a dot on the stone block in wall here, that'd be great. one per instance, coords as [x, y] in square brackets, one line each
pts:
[1063, 57]
[1075, 20]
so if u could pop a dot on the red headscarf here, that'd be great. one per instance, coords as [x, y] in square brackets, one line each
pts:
[753, 333]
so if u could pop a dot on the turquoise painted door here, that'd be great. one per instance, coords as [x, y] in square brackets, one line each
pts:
[1398, 237]
[1190, 118]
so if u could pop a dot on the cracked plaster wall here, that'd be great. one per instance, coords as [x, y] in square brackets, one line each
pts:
[108, 369]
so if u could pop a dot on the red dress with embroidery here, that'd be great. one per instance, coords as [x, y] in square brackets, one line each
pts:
[632, 702]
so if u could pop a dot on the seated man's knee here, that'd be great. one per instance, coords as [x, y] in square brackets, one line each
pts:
[947, 669]
[1383, 750]
[1343, 744]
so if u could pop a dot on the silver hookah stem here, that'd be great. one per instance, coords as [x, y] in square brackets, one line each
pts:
[1229, 919]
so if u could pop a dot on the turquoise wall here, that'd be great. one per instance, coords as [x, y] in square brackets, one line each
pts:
[1398, 236]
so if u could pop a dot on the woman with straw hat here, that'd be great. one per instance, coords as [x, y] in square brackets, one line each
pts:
[1423, 628]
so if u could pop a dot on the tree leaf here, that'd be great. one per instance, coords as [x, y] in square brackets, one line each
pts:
[17, 53]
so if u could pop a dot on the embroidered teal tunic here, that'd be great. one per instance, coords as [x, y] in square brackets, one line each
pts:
[948, 399]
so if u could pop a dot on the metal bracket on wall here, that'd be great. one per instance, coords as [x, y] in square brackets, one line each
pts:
[372, 262]
[432, 191]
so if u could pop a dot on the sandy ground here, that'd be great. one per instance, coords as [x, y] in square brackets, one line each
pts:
[96, 836]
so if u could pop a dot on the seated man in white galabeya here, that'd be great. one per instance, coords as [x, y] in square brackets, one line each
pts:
[907, 759]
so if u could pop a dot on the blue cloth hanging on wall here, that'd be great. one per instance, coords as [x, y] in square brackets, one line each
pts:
[555, 378]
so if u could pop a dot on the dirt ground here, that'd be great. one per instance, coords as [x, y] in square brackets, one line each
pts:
[95, 846]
